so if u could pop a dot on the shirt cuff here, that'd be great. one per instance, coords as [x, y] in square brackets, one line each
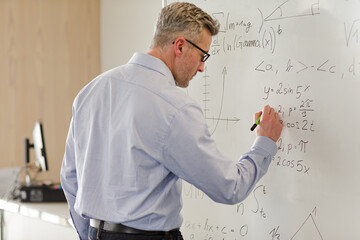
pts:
[265, 144]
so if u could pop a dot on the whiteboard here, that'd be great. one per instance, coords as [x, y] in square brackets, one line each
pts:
[303, 58]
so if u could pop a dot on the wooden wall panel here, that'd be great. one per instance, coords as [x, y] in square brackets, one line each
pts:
[49, 49]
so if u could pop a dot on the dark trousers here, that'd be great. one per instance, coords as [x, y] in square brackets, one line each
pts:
[106, 235]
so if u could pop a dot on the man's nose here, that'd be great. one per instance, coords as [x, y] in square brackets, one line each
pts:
[201, 67]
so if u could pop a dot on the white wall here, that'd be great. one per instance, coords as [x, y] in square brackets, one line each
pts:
[126, 27]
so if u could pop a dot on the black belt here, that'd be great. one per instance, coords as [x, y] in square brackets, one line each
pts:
[120, 228]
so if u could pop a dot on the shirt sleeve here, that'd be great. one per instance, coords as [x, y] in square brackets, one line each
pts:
[191, 154]
[70, 185]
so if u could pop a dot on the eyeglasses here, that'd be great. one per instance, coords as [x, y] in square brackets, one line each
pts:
[205, 56]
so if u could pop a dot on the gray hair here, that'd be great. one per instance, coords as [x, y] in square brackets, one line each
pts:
[182, 19]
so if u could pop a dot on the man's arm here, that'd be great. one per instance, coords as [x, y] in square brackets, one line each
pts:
[70, 185]
[191, 154]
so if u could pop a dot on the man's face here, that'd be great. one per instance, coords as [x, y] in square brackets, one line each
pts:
[190, 62]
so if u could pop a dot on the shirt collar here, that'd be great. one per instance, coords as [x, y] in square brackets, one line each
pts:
[152, 63]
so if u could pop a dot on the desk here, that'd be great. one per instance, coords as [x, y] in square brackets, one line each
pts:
[35, 221]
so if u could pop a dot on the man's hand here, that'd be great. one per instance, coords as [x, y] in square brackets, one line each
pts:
[269, 125]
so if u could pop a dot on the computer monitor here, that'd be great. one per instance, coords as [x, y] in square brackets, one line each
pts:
[40, 151]
[31, 190]
[39, 147]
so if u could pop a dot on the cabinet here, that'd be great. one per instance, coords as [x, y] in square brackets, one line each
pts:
[35, 221]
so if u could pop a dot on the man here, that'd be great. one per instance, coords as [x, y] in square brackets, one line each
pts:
[134, 135]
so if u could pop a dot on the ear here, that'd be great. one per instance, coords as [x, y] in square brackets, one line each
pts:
[179, 44]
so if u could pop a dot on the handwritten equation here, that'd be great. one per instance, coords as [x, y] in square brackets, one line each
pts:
[240, 228]
[350, 68]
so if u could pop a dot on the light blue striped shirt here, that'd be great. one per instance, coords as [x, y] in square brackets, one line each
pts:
[132, 137]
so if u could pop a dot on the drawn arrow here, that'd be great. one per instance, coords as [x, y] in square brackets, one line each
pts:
[224, 72]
